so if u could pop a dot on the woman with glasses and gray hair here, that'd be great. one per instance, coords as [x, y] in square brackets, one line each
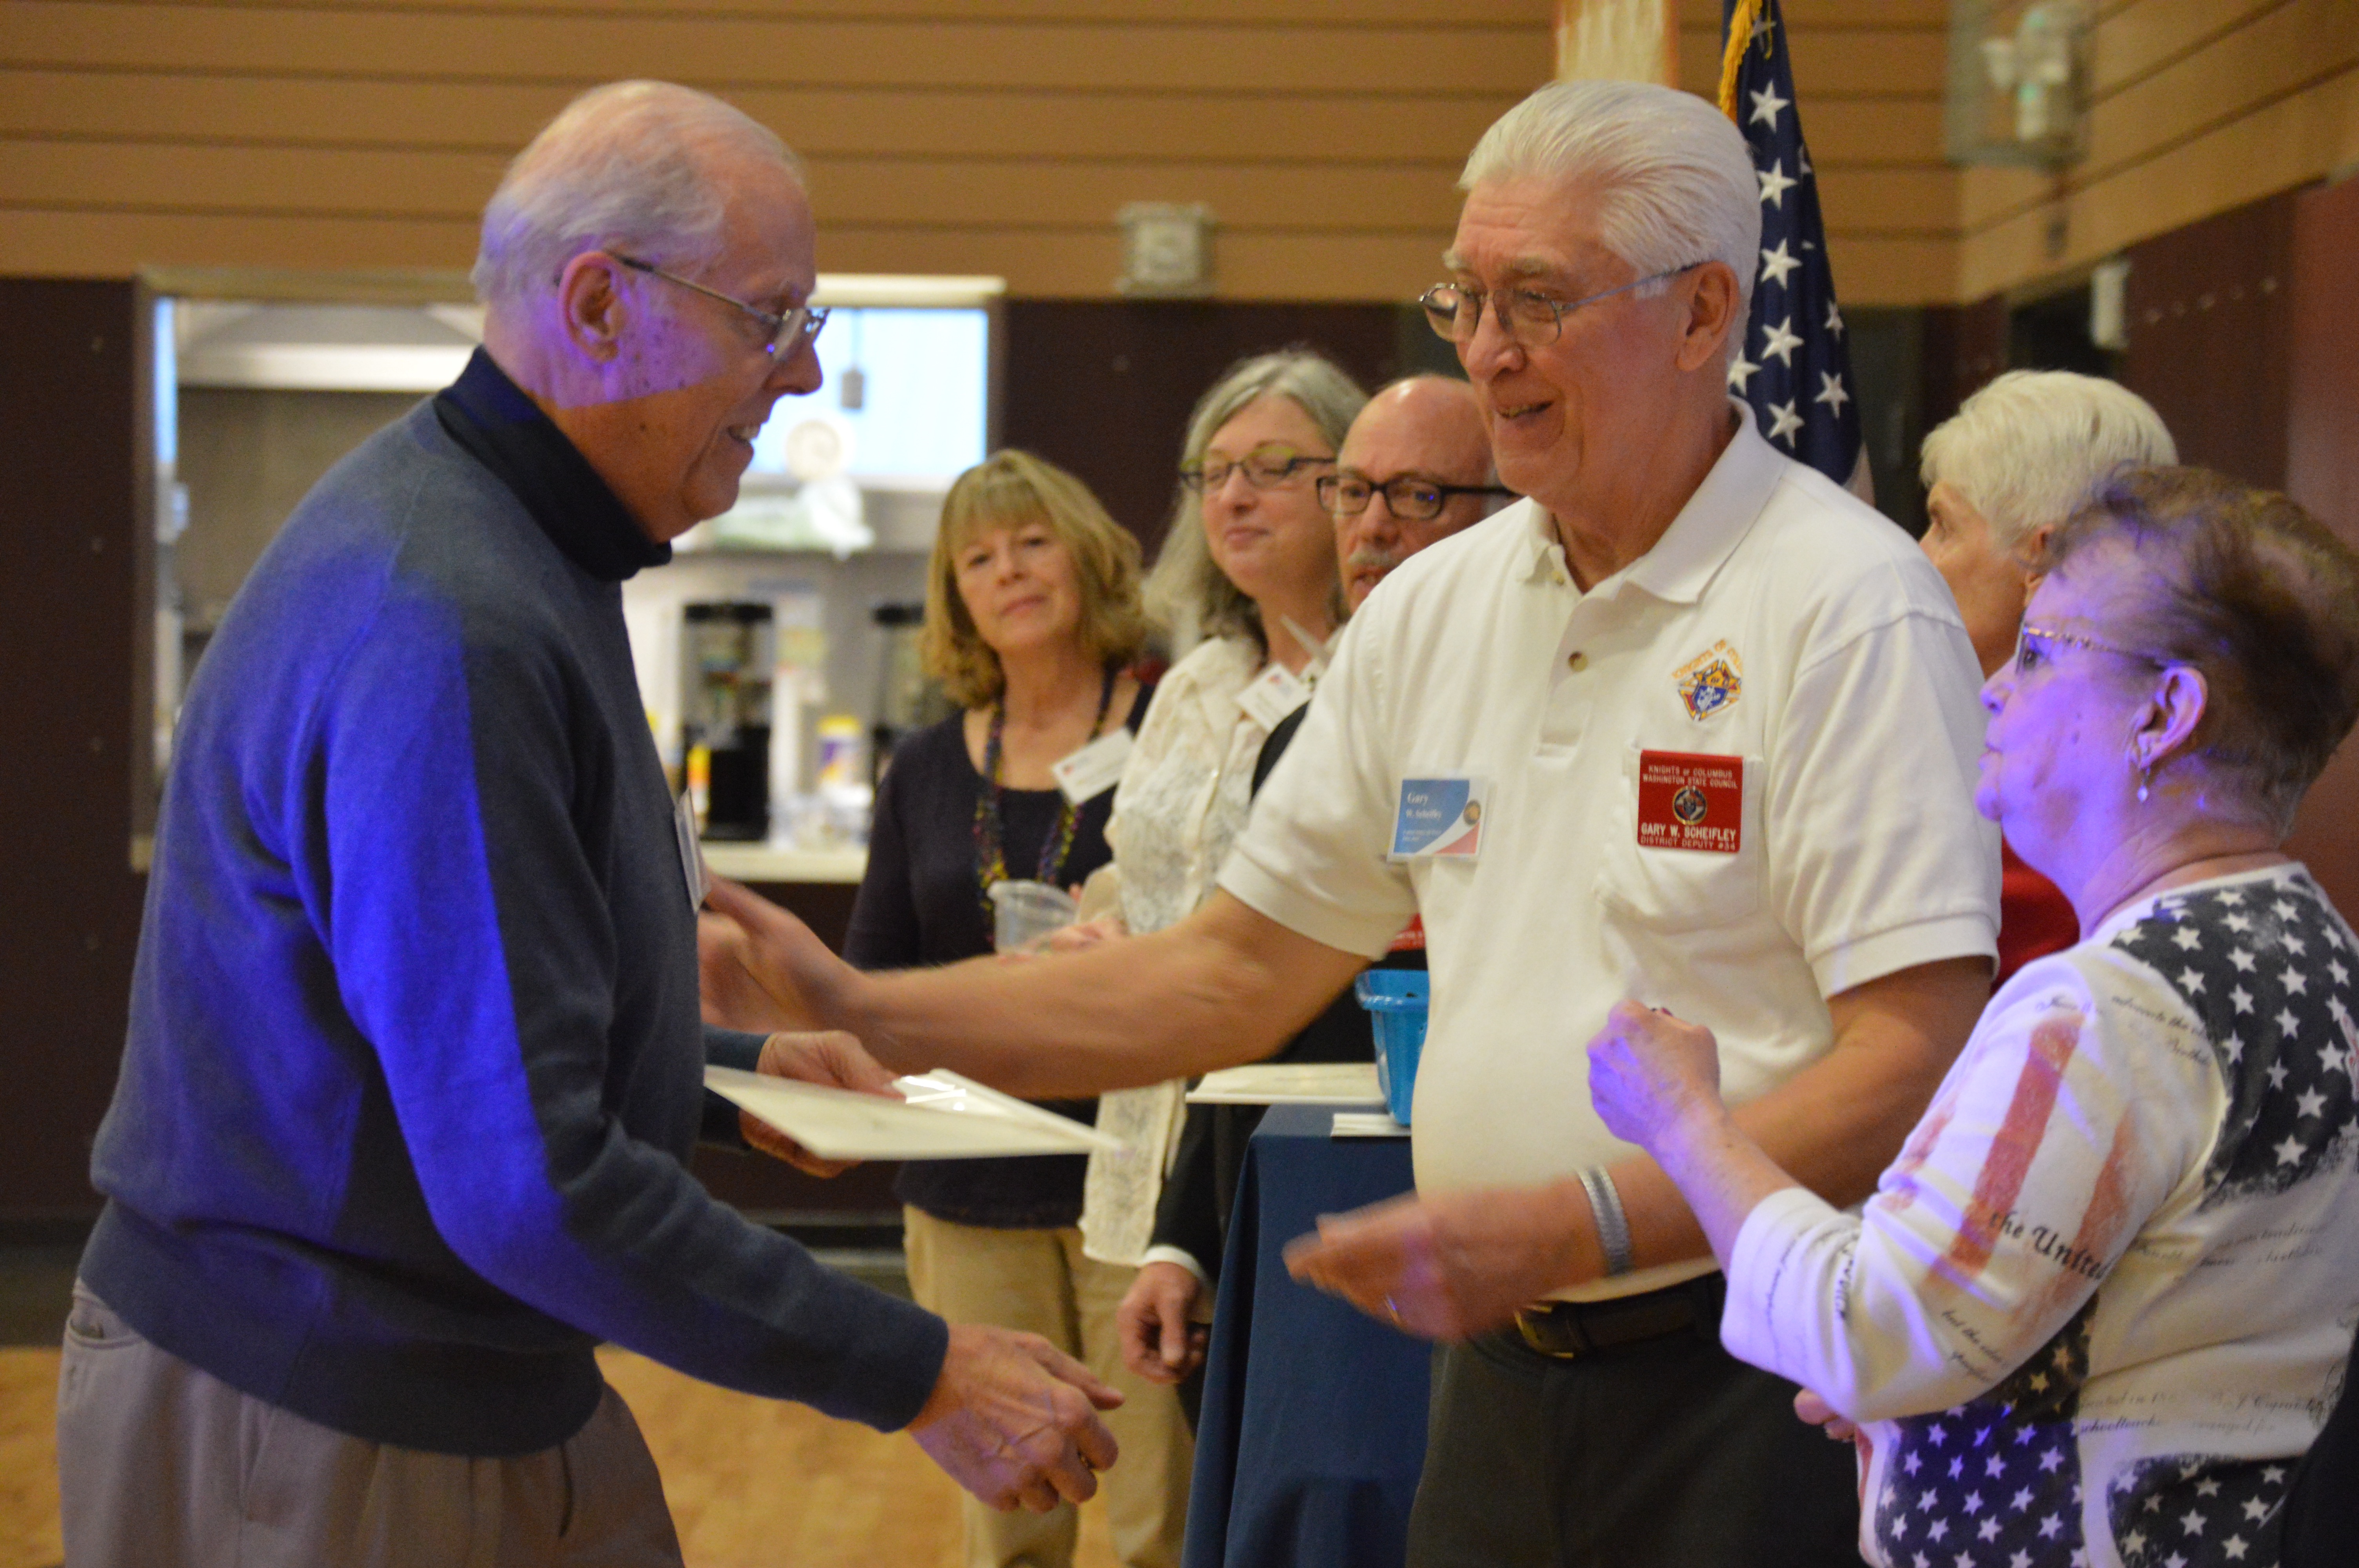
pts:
[1248, 565]
[2100, 1305]
[2018, 457]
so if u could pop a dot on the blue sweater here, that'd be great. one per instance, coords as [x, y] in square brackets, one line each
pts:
[415, 1051]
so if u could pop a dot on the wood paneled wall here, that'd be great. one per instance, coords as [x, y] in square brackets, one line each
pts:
[2201, 107]
[994, 136]
[997, 136]
[1000, 136]
[1868, 76]
[75, 613]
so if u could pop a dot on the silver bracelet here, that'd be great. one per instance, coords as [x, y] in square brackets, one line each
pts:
[1613, 1225]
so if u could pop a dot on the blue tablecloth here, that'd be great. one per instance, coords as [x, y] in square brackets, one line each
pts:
[1314, 1426]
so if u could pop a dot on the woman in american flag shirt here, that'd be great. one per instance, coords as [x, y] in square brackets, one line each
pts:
[2103, 1302]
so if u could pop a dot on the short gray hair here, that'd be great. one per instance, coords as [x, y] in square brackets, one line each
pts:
[626, 165]
[1188, 595]
[1675, 183]
[2028, 450]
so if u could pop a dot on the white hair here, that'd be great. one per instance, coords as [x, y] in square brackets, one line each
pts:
[1674, 182]
[2028, 450]
[626, 165]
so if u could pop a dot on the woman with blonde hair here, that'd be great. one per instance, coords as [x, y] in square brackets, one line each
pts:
[1032, 620]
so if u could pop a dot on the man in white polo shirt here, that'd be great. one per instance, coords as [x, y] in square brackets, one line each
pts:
[1691, 725]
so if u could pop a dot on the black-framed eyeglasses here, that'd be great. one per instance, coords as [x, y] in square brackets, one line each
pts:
[788, 334]
[1454, 310]
[2036, 646]
[1266, 467]
[1406, 497]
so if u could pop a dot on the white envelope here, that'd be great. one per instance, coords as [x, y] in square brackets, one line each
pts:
[940, 1116]
[1290, 1083]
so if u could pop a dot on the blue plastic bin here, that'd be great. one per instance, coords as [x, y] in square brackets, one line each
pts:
[1396, 1001]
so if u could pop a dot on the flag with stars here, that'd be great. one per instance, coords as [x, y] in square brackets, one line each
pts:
[1794, 367]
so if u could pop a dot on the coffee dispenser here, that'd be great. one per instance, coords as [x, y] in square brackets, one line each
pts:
[728, 657]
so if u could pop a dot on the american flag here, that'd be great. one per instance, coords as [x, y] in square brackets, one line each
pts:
[1794, 368]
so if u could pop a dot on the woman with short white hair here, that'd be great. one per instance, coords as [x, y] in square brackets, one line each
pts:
[2018, 457]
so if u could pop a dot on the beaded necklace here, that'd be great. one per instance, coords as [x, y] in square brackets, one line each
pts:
[990, 853]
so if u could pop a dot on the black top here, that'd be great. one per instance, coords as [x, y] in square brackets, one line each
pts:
[1193, 1212]
[415, 1060]
[922, 903]
[2321, 1511]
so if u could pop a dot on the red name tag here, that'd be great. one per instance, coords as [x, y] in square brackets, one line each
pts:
[1691, 802]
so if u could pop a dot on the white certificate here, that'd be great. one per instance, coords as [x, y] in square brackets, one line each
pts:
[940, 1116]
[1290, 1083]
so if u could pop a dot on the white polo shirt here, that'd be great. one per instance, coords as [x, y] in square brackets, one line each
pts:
[1781, 634]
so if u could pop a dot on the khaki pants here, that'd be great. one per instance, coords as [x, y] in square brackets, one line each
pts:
[160, 1466]
[1039, 1281]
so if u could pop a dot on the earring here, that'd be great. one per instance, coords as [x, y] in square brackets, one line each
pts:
[2146, 777]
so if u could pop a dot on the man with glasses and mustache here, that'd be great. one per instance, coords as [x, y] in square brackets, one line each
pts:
[1415, 469]
[1719, 719]
[415, 1060]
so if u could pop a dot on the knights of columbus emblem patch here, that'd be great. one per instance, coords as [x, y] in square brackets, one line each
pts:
[1710, 681]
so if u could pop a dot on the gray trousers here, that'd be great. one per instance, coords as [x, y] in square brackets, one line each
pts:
[161, 1466]
[1666, 1454]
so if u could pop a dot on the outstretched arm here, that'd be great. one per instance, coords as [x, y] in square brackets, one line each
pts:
[1458, 1265]
[1224, 986]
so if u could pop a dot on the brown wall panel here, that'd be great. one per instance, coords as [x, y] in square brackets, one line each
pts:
[287, 111]
[722, 52]
[2201, 107]
[2209, 317]
[2137, 39]
[998, 139]
[1702, 16]
[1250, 13]
[982, 192]
[71, 616]
[2282, 51]
[1103, 388]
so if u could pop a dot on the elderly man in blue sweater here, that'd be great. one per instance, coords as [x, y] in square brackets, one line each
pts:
[415, 1055]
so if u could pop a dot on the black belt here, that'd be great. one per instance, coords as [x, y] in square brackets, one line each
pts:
[1565, 1331]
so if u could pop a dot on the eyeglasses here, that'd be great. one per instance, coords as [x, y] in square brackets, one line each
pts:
[1406, 497]
[788, 334]
[2036, 646]
[1265, 468]
[1454, 310]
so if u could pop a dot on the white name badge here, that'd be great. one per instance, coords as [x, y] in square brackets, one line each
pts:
[691, 858]
[1273, 693]
[1439, 818]
[1095, 769]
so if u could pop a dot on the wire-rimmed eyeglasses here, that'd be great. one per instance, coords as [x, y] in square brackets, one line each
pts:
[788, 334]
[1454, 310]
[2035, 645]
[1406, 497]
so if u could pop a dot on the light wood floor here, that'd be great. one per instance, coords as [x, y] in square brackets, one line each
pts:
[752, 1483]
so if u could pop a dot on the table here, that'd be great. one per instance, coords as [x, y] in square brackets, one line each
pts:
[1314, 1426]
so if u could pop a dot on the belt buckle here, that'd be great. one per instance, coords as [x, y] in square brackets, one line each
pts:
[1571, 1346]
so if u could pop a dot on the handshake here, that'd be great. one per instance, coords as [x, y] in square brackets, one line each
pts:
[1012, 1418]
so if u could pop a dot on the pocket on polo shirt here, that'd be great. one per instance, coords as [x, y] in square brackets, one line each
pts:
[1689, 855]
